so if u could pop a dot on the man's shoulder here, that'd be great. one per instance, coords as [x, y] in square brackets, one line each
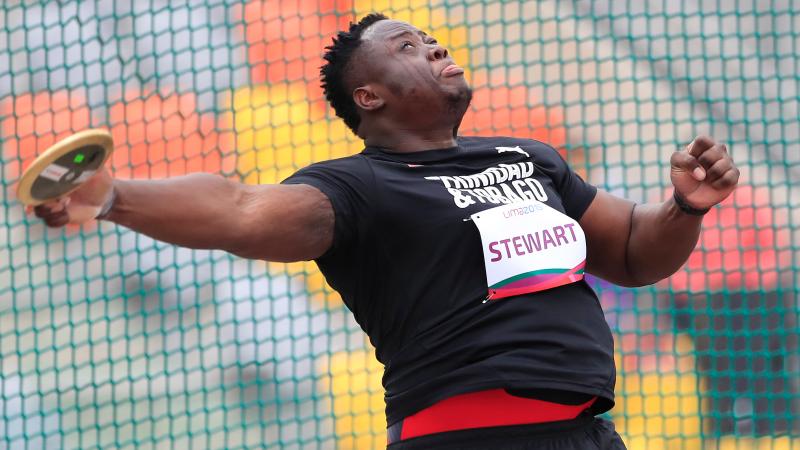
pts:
[344, 163]
[353, 171]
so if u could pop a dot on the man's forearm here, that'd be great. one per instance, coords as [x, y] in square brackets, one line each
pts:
[661, 239]
[196, 211]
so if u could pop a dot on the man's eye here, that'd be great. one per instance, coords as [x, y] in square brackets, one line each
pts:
[406, 45]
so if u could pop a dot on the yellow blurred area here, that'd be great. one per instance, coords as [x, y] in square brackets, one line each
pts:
[658, 408]
[430, 20]
[278, 132]
[354, 380]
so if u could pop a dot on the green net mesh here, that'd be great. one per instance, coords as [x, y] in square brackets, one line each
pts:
[109, 339]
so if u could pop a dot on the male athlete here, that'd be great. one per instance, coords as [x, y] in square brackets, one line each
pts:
[462, 258]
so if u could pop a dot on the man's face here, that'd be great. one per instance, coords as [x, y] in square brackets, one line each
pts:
[411, 71]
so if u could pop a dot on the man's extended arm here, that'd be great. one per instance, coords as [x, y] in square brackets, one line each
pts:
[203, 211]
[636, 245]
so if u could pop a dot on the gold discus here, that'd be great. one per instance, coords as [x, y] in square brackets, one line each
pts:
[64, 166]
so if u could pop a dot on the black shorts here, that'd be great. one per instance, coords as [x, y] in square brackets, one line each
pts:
[583, 433]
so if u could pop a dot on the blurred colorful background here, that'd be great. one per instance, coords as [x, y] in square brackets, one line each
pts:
[110, 339]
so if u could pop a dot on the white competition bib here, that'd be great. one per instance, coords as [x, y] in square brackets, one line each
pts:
[529, 247]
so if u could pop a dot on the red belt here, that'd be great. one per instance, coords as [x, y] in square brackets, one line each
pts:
[492, 408]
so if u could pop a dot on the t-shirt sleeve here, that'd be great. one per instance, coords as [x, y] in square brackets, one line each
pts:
[345, 182]
[576, 194]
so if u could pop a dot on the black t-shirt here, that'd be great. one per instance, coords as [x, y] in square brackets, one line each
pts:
[409, 265]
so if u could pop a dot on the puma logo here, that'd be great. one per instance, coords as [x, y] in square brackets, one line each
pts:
[512, 149]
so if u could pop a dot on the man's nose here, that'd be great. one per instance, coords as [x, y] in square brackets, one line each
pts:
[437, 52]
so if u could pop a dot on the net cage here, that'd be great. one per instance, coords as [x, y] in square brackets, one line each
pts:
[109, 339]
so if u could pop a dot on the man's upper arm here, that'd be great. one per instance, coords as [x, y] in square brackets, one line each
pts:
[607, 225]
[605, 219]
[285, 223]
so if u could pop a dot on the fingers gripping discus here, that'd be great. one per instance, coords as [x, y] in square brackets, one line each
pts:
[64, 167]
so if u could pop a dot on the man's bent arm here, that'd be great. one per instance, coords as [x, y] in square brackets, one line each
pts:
[203, 211]
[633, 245]
[637, 245]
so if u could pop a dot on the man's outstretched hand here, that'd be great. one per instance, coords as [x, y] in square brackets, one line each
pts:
[703, 174]
[81, 205]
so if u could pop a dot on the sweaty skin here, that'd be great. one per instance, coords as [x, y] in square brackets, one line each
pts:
[411, 97]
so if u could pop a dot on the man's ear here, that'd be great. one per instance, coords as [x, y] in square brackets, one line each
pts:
[367, 99]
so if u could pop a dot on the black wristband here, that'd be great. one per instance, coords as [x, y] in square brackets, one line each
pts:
[686, 208]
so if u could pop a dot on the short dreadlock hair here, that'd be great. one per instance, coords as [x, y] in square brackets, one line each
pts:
[333, 72]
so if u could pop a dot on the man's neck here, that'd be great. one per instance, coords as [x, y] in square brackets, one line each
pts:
[408, 141]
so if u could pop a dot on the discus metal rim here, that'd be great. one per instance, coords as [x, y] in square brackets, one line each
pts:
[86, 138]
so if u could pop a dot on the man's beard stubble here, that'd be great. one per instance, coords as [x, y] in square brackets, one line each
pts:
[457, 104]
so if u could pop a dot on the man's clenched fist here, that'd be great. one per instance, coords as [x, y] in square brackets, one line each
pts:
[704, 173]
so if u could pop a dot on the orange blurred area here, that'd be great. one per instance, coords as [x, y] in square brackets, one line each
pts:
[33, 122]
[154, 136]
[504, 107]
[500, 108]
[159, 136]
[286, 38]
[742, 246]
